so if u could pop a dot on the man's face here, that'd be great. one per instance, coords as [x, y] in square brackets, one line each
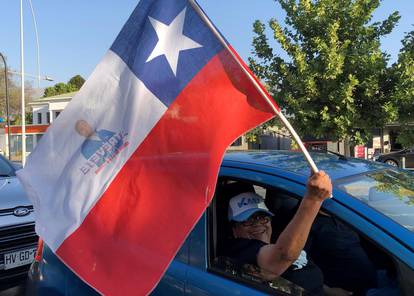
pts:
[258, 227]
[83, 128]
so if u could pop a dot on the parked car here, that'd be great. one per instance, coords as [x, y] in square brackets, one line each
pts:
[376, 200]
[18, 240]
[396, 158]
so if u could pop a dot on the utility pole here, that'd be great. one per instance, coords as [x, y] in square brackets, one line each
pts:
[6, 82]
[22, 84]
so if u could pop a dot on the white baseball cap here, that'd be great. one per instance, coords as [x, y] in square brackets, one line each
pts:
[245, 204]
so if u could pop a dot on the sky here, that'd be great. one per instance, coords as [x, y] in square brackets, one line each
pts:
[74, 35]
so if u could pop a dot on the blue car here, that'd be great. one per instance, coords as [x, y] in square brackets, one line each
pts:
[373, 199]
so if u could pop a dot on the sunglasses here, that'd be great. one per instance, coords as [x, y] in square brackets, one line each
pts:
[256, 219]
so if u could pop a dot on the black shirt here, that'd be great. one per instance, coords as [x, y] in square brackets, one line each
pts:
[308, 276]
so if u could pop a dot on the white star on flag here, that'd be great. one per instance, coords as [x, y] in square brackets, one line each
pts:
[171, 40]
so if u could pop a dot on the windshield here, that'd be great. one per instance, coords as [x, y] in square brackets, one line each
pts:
[390, 192]
[6, 169]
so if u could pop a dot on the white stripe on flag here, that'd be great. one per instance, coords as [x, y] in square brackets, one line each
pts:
[113, 99]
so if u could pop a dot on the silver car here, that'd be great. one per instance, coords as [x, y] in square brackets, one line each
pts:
[18, 240]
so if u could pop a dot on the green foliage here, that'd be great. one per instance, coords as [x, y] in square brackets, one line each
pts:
[399, 184]
[76, 81]
[403, 92]
[74, 84]
[17, 119]
[49, 92]
[335, 82]
[29, 118]
[253, 135]
[61, 88]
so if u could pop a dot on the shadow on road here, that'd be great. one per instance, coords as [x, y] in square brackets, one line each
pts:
[15, 291]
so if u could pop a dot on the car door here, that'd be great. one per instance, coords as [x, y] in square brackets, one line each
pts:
[206, 276]
[174, 280]
[201, 281]
[386, 235]
[391, 237]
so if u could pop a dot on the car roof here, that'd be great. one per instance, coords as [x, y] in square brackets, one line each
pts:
[295, 162]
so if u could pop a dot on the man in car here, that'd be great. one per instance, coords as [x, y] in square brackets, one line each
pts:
[252, 232]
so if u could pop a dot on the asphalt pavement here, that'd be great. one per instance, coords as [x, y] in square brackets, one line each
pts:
[15, 291]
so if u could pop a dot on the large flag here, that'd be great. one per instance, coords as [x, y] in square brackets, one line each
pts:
[128, 168]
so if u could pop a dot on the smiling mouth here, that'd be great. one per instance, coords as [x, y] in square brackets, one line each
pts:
[259, 232]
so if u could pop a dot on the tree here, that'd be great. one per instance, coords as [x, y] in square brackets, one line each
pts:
[74, 84]
[77, 81]
[61, 88]
[14, 95]
[50, 91]
[335, 82]
[403, 91]
[17, 118]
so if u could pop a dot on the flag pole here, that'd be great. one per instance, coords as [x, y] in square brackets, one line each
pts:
[258, 87]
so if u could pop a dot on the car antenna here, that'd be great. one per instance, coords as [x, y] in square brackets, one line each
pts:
[340, 156]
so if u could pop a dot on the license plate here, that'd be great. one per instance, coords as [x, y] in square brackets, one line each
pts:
[19, 258]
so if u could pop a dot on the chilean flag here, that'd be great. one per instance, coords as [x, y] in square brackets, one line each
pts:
[128, 168]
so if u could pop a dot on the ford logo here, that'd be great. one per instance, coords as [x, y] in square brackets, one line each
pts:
[21, 211]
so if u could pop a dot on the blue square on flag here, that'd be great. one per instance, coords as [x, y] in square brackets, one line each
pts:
[165, 44]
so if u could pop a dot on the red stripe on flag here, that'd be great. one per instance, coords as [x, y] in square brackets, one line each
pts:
[131, 235]
[254, 77]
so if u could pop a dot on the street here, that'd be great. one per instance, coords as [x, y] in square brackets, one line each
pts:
[14, 291]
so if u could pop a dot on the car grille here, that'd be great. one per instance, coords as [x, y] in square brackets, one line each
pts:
[7, 212]
[14, 238]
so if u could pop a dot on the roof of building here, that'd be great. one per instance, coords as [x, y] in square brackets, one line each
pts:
[62, 97]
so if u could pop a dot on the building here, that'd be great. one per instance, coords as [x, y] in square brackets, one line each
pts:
[44, 111]
[386, 139]
[273, 138]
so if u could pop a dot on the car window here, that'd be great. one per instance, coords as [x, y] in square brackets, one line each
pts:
[6, 169]
[390, 192]
[219, 262]
[260, 190]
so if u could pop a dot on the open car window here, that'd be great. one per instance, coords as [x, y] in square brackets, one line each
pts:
[284, 205]
[221, 235]
[250, 275]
